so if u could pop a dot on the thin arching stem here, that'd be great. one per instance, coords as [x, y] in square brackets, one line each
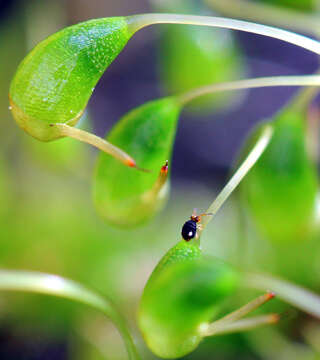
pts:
[137, 22]
[293, 294]
[247, 164]
[299, 80]
[27, 281]
[266, 13]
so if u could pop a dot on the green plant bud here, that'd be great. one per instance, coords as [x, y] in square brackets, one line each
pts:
[303, 5]
[280, 191]
[182, 295]
[128, 198]
[56, 79]
[190, 57]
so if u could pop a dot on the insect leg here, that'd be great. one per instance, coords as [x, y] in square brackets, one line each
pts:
[199, 227]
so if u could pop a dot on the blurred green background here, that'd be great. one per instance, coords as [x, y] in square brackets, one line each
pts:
[47, 219]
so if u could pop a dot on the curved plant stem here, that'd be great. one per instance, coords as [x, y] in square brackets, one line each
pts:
[137, 22]
[266, 13]
[295, 295]
[235, 316]
[299, 80]
[96, 141]
[27, 281]
[247, 164]
[244, 324]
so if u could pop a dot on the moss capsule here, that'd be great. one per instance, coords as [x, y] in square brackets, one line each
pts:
[127, 198]
[280, 191]
[179, 302]
[183, 294]
[54, 82]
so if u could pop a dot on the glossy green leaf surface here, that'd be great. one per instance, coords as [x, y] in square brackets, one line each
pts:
[56, 79]
[147, 133]
[183, 293]
[181, 252]
[281, 189]
[191, 56]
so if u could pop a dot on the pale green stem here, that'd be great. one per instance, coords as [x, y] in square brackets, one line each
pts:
[216, 326]
[299, 80]
[247, 164]
[101, 144]
[266, 13]
[98, 142]
[136, 22]
[244, 325]
[27, 281]
[295, 295]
